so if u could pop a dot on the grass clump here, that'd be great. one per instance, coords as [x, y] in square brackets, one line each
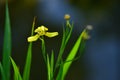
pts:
[56, 68]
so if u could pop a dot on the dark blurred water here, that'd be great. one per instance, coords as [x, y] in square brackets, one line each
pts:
[101, 58]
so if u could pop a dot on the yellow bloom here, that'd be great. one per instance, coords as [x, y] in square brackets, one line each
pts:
[42, 30]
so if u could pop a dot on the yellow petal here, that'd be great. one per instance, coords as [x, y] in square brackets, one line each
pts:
[41, 29]
[51, 34]
[33, 38]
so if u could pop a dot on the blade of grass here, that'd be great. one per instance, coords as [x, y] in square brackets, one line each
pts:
[52, 64]
[43, 49]
[2, 72]
[72, 54]
[26, 73]
[82, 47]
[17, 75]
[61, 49]
[48, 68]
[59, 76]
[66, 36]
[7, 44]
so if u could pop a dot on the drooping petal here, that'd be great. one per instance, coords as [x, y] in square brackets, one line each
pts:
[33, 38]
[51, 34]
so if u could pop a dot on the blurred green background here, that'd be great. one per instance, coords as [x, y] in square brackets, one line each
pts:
[101, 56]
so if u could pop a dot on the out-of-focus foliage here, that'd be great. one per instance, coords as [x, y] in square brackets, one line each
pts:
[97, 5]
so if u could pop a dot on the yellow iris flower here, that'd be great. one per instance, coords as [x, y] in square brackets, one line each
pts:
[42, 30]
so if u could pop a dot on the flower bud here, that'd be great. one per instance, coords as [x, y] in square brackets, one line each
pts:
[89, 27]
[67, 17]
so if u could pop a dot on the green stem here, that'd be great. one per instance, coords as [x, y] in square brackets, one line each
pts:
[43, 49]
[7, 44]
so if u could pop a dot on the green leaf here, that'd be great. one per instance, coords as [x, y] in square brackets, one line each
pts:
[59, 76]
[17, 75]
[27, 67]
[43, 49]
[66, 36]
[2, 72]
[26, 73]
[52, 64]
[48, 68]
[72, 54]
[7, 44]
